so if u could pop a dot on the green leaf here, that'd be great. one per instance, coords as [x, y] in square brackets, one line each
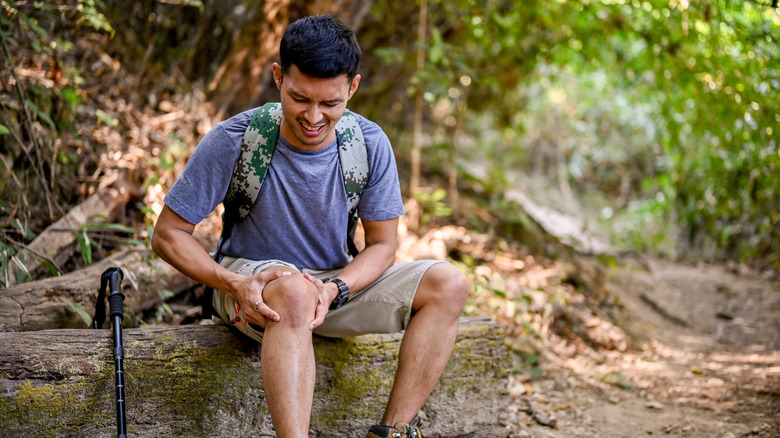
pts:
[85, 246]
[436, 52]
[4, 266]
[106, 119]
[10, 40]
[32, 23]
[78, 308]
[4, 129]
[615, 378]
[116, 227]
[52, 270]
[438, 195]
[93, 17]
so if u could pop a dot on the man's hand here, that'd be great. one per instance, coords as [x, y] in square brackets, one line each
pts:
[327, 293]
[256, 310]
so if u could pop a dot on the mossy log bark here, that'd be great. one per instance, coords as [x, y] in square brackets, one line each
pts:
[38, 305]
[205, 381]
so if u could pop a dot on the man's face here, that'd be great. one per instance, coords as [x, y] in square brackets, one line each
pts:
[312, 106]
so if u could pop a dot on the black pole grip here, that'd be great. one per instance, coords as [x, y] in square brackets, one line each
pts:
[111, 279]
[116, 305]
[114, 277]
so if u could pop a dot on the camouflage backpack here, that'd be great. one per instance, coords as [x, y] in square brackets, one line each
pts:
[257, 149]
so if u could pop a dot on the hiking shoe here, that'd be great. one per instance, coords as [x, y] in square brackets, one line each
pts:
[401, 430]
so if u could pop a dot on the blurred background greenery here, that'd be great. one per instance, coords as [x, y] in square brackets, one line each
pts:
[655, 122]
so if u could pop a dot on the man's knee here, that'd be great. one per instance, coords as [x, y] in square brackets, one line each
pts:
[293, 296]
[444, 285]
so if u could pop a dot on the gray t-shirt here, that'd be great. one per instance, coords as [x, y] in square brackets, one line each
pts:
[300, 215]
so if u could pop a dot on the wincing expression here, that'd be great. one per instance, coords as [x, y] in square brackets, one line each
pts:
[312, 106]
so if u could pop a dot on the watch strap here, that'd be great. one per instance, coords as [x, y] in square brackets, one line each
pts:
[343, 295]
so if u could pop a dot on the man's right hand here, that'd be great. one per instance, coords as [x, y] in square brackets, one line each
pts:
[250, 293]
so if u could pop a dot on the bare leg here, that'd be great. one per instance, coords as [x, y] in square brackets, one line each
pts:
[428, 342]
[287, 355]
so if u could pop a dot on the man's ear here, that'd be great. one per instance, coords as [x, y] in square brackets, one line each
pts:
[354, 85]
[278, 75]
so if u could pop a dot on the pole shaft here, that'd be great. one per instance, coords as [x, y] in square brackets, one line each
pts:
[121, 426]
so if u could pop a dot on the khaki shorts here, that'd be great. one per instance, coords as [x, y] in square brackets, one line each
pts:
[385, 306]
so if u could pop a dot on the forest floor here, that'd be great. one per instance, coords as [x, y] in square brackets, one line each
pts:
[701, 359]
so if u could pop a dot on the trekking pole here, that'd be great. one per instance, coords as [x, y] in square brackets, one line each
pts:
[112, 277]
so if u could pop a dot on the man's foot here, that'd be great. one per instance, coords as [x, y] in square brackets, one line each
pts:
[401, 430]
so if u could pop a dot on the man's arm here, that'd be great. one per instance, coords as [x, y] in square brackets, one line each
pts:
[379, 254]
[173, 242]
[365, 268]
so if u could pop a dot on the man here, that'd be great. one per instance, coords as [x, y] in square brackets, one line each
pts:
[275, 261]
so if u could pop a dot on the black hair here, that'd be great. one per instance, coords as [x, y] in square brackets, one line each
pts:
[320, 46]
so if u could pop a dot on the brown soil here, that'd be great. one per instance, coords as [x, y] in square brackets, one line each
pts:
[697, 355]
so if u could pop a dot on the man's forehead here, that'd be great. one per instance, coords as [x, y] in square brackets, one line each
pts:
[295, 73]
[326, 89]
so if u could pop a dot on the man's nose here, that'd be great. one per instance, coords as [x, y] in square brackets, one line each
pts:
[313, 114]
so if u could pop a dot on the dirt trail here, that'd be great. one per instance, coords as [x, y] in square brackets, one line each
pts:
[703, 361]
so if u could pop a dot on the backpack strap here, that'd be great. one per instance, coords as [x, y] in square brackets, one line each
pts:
[257, 148]
[353, 156]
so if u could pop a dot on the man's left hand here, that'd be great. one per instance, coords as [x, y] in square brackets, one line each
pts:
[327, 293]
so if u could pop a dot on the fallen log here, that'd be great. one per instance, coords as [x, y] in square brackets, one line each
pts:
[56, 243]
[37, 305]
[204, 381]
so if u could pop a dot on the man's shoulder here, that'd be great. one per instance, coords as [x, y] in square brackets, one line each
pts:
[372, 133]
[364, 122]
[238, 120]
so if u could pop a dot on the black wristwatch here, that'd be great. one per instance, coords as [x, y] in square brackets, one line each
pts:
[343, 295]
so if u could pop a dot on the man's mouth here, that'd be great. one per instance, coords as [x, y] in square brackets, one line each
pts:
[312, 130]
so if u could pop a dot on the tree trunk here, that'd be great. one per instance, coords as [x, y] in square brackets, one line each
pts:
[412, 206]
[38, 305]
[205, 381]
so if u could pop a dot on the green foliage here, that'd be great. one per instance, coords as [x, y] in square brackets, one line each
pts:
[78, 308]
[661, 115]
[12, 260]
[87, 244]
[164, 311]
[11, 264]
[93, 17]
[432, 204]
[106, 119]
[40, 104]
